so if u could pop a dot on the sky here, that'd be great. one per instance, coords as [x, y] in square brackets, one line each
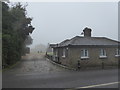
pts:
[57, 21]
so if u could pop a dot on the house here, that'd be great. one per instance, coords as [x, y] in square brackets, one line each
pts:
[89, 51]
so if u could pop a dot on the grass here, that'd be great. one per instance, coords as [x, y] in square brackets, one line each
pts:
[9, 67]
[50, 53]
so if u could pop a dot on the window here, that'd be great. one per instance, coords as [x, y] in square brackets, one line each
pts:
[117, 52]
[63, 54]
[103, 53]
[84, 53]
[52, 49]
[56, 53]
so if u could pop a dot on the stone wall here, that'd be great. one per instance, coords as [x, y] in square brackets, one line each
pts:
[93, 61]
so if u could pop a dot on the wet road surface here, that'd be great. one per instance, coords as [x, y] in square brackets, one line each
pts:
[34, 71]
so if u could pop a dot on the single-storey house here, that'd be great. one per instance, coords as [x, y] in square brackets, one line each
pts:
[88, 50]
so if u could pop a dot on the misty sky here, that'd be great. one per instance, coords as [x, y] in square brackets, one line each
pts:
[57, 21]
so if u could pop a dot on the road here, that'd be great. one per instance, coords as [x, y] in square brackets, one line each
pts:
[34, 71]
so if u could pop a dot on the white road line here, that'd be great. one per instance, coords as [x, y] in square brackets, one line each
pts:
[91, 86]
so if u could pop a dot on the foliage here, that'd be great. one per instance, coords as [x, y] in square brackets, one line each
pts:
[16, 27]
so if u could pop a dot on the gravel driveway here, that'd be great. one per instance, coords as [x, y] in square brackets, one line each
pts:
[35, 62]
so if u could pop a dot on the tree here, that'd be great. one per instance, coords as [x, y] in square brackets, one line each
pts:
[16, 27]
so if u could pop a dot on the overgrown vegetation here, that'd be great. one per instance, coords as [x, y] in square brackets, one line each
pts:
[16, 27]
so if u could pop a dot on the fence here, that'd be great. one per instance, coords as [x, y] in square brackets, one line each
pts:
[53, 58]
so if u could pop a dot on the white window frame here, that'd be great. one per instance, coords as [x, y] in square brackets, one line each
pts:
[84, 54]
[103, 53]
[63, 53]
[117, 53]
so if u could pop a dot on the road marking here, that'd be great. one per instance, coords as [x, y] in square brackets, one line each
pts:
[91, 86]
[105, 84]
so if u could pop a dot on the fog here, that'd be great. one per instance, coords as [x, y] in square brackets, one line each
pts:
[57, 21]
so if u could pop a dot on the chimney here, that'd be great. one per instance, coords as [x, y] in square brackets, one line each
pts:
[87, 32]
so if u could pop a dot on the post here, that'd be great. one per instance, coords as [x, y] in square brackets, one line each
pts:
[79, 65]
[102, 65]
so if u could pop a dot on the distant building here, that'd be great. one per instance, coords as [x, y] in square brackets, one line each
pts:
[89, 51]
[49, 48]
[27, 49]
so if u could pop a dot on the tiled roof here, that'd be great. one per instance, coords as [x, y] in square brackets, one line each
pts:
[87, 40]
[78, 40]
